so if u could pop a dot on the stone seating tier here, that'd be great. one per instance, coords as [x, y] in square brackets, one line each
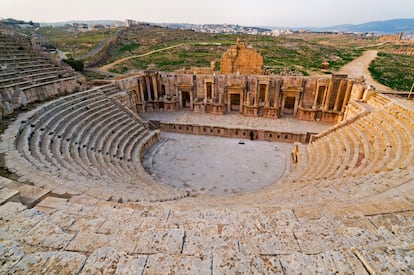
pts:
[382, 139]
[77, 139]
[28, 75]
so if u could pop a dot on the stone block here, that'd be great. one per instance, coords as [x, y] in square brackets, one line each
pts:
[178, 264]
[133, 265]
[31, 195]
[103, 260]
[309, 243]
[46, 234]
[10, 209]
[51, 262]
[275, 243]
[233, 262]
[9, 195]
[53, 202]
[10, 254]
[88, 242]
[160, 241]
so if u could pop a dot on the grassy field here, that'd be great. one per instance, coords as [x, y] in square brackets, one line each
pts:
[76, 44]
[393, 70]
[298, 52]
[303, 52]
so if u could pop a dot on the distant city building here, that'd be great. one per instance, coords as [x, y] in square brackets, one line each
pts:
[130, 22]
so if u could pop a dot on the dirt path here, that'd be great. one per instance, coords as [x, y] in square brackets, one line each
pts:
[99, 47]
[110, 65]
[359, 67]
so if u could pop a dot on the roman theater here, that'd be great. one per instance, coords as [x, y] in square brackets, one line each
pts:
[202, 170]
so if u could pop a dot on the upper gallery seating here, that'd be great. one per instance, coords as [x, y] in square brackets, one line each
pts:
[27, 75]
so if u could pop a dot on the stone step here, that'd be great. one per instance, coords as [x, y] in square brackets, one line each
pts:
[7, 195]
[31, 195]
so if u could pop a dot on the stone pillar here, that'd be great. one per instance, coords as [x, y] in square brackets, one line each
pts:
[180, 101]
[155, 86]
[347, 94]
[338, 95]
[177, 96]
[328, 95]
[282, 107]
[295, 110]
[205, 92]
[267, 96]
[141, 91]
[316, 97]
[256, 98]
[214, 91]
[241, 102]
[277, 95]
[148, 88]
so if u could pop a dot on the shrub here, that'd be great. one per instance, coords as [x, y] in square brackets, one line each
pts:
[77, 65]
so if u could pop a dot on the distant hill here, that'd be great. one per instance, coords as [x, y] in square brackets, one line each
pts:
[381, 27]
[387, 26]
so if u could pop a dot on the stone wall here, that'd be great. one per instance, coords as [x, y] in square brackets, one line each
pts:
[239, 133]
[241, 59]
[320, 98]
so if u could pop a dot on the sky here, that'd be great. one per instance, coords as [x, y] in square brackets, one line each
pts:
[289, 13]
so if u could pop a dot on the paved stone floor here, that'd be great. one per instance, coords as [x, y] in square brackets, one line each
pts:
[287, 124]
[217, 165]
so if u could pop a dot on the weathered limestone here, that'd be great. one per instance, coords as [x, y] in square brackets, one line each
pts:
[306, 98]
[241, 86]
[73, 146]
[242, 60]
[28, 76]
[202, 240]
[347, 207]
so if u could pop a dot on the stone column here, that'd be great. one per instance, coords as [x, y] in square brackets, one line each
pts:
[256, 94]
[177, 97]
[241, 101]
[316, 97]
[338, 95]
[267, 96]
[155, 86]
[205, 91]
[328, 95]
[347, 94]
[148, 88]
[141, 91]
[277, 95]
[214, 92]
[295, 109]
[282, 107]
[180, 100]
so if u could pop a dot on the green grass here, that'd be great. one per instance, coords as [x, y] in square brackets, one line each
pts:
[304, 53]
[129, 47]
[78, 43]
[393, 70]
[298, 52]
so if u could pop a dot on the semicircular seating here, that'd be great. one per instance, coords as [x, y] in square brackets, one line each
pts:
[86, 143]
[370, 156]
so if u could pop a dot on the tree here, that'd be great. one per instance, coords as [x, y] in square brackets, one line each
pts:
[77, 65]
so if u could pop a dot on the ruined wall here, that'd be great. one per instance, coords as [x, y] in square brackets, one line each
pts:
[322, 98]
[241, 59]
